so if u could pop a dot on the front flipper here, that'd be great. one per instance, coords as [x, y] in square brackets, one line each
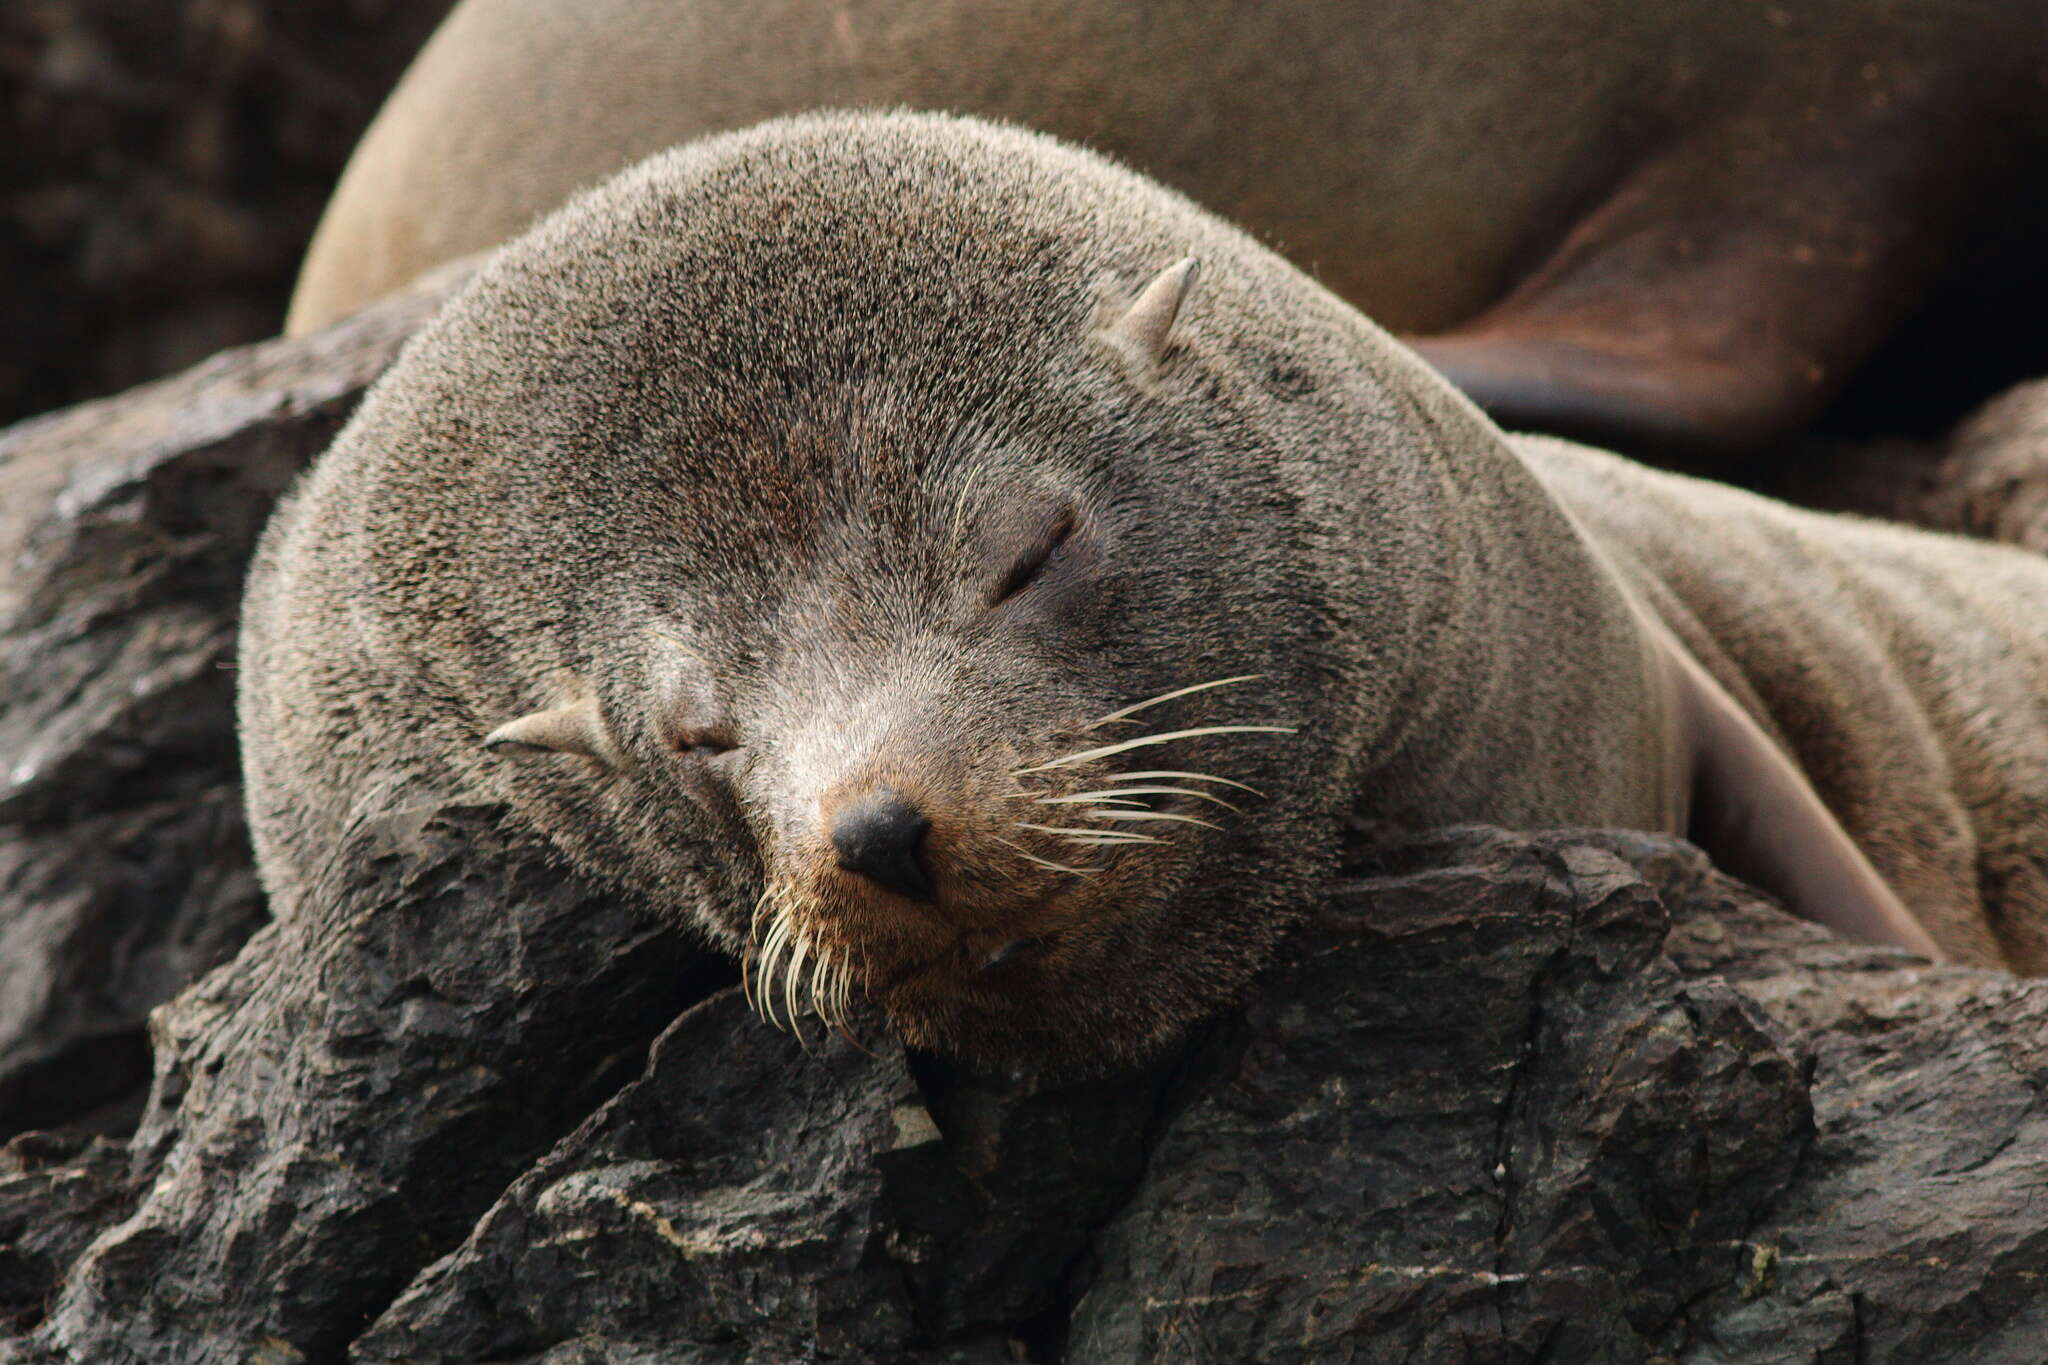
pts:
[1719, 296]
[1758, 817]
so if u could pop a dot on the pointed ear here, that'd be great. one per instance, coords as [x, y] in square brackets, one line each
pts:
[1141, 334]
[577, 728]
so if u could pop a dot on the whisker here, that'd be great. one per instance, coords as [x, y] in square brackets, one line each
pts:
[844, 1007]
[751, 956]
[1028, 856]
[1109, 839]
[790, 978]
[819, 1007]
[771, 950]
[1151, 815]
[1107, 798]
[1163, 774]
[1116, 836]
[1138, 706]
[1113, 797]
[1145, 741]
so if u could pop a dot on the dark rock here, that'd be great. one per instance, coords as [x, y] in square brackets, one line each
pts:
[1490, 1119]
[329, 1116]
[723, 1212]
[1566, 1096]
[166, 162]
[55, 1190]
[124, 528]
[840, 1218]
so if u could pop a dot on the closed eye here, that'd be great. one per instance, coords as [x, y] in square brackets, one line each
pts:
[1035, 557]
[702, 744]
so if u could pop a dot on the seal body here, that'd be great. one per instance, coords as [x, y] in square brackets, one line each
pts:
[872, 540]
[1906, 673]
[1677, 225]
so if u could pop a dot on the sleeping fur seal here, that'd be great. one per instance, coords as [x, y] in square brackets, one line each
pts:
[874, 540]
[1676, 225]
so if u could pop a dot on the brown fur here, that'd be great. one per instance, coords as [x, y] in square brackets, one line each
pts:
[1907, 672]
[730, 457]
[1681, 223]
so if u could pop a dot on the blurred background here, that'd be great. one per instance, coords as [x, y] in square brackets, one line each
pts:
[165, 163]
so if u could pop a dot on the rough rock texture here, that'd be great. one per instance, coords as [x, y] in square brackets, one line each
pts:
[327, 1115]
[165, 163]
[1565, 1097]
[124, 528]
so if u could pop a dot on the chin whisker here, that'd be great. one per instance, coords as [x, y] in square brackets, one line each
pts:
[792, 975]
[771, 949]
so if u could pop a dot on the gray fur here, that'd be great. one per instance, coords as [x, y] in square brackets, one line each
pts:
[739, 443]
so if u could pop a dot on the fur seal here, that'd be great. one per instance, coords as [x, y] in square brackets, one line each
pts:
[873, 540]
[1676, 226]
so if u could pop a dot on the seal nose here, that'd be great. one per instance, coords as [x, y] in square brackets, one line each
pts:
[881, 836]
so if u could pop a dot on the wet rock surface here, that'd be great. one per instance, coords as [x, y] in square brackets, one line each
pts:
[1566, 1096]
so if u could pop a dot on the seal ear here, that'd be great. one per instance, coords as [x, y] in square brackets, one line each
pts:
[1140, 335]
[573, 729]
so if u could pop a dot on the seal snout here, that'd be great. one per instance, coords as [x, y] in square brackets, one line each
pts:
[881, 837]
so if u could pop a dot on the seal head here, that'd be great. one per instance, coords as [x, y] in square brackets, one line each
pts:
[876, 541]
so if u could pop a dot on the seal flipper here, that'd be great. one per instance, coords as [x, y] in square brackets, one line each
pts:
[1759, 818]
[1718, 297]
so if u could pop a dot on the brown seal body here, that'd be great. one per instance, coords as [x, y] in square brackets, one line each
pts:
[869, 539]
[1678, 224]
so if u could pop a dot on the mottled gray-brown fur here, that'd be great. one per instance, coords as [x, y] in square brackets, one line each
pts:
[739, 445]
[1907, 672]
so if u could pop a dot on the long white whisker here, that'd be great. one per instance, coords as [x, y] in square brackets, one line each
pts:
[1138, 706]
[1145, 741]
[771, 949]
[960, 503]
[1168, 775]
[842, 977]
[1114, 797]
[1107, 798]
[1118, 836]
[750, 960]
[817, 990]
[1151, 815]
[1053, 801]
[1028, 856]
[790, 979]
